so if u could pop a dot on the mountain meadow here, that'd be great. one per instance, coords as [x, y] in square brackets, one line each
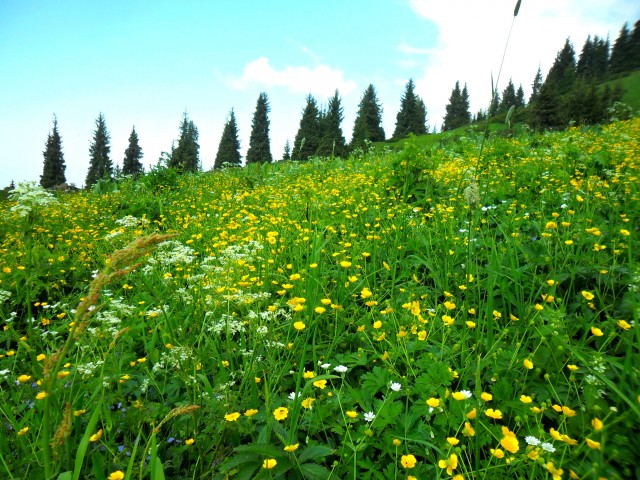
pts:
[459, 309]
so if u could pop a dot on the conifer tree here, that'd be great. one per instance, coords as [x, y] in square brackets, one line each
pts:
[186, 156]
[536, 86]
[100, 165]
[520, 97]
[53, 169]
[307, 140]
[408, 119]
[634, 61]
[585, 66]
[457, 110]
[368, 124]
[546, 111]
[229, 147]
[509, 98]
[259, 143]
[332, 142]
[287, 151]
[494, 105]
[132, 155]
[601, 52]
[621, 54]
[421, 127]
[563, 71]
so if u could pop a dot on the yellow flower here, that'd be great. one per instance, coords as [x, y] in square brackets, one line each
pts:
[468, 430]
[459, 396]
[96, 436]
[509, 442]
[23, 431]
[592, 444]
[587, 295]
[623, 324]
[345, 264]
[351, 413]
[24, 378]
[232, 417]
[366, 293]
[450, 463]
[251, 412]
[470, 324]
[596, 331]
[377, 324]
[495, 414]
[525, 399]
[117, 475]
[573, 368]
[497, 453]
[568, 412]
[597, 424]
[321, 384]
[453, 441]
[449, 305]
[291, 448]
[408, 461]
[190, 441]
[257, 379]
[487, 397]
[397, 442]
[281, 413]
[41, 395]
[307, 402]
[624, 232]
[458, 477]
[319, 310]
[472, 414]
[299, 326]
[433, 402]
[307, 374]
[528, 364]
[269, 463]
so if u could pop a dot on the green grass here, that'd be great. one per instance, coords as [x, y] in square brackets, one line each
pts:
[420, 312]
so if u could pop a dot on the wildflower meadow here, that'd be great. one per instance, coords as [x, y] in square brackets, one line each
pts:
[427, 312]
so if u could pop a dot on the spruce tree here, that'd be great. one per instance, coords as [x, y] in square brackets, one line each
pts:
[536, 86]
[307, 140]
[186, 156]
[410, 118]
[259, 144]
[421, 125]
[601, 51]
[229, 147]
[634, 50]
[368, 124]
[494, 105]
[100, 165]
[509, 98]
[54, 167]
[132, 155]
[621, 54]
[563, 71]
[287, 151]
[520, 97]
[457, 110]
[585, 67]
[332, 142]
[546, 111]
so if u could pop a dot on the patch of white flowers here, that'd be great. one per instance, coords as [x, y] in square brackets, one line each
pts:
[28, 197]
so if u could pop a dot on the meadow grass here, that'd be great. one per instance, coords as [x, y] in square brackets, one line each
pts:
[383, 316]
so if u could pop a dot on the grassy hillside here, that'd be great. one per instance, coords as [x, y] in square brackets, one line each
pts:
[415, 314]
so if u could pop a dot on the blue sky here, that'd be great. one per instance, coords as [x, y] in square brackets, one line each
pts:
[144, 63]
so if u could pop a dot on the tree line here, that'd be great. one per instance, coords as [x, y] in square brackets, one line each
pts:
[571, 92]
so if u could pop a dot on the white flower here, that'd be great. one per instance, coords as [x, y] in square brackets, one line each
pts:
[532, 441]
[369, 416]
[548, 447]
[340, 369]
[395, 386]
[325, 365]
[466, 393]
[293, 395]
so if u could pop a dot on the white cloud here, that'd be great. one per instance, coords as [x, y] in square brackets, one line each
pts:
[321, 80]
[404, 47]
[472, 36]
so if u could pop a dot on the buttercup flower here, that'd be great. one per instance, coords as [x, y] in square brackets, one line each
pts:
[408, 461]
[280, 413]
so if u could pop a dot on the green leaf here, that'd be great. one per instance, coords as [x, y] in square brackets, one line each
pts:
[84, 443]
[265, 450]
[517, 9]
[66, 475]
[317, 451]
[375, 381]
[313, 471]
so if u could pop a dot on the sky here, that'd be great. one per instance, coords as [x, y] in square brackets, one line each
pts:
[144, 63]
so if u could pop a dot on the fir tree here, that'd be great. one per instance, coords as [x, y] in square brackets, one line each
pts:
[457, 110]
[585, 66]
[621, 55]
[509, 98]
[368, 124]
[546, 112]
[100, 165]
[634, 61]
[287, 151]
[536, 86]
[229, 147]
[332, 142]
[132, 155]
[259, 143]
[186, 156]
[600, 58]
[408, 119]
[494, 105]
[422, 118]
[54, 167]
[307, 140]
[563, 71]
[520, 97]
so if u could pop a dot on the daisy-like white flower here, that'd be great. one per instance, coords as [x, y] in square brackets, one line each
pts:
[325, 365]
[548, 447]
[294, 395]
[340, 369]
[395, 386]
[369, 416]
[533, 441]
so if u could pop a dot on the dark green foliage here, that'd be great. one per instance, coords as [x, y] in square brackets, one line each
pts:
[411, 117]
[635, 47]
[509, 98]
[520, 98]
[563, 71]
[287, 151]
[546, 111]
[536, 86]
[259, 144]
[229, 147]
[186, 156]
[594, 59]
[457, 111]
[54, 167]
[100, 165]
[132, 155]
[368, 124]
[495, 104]
[586, 105]
[332, 142]
[307, 140]
[622, 52]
